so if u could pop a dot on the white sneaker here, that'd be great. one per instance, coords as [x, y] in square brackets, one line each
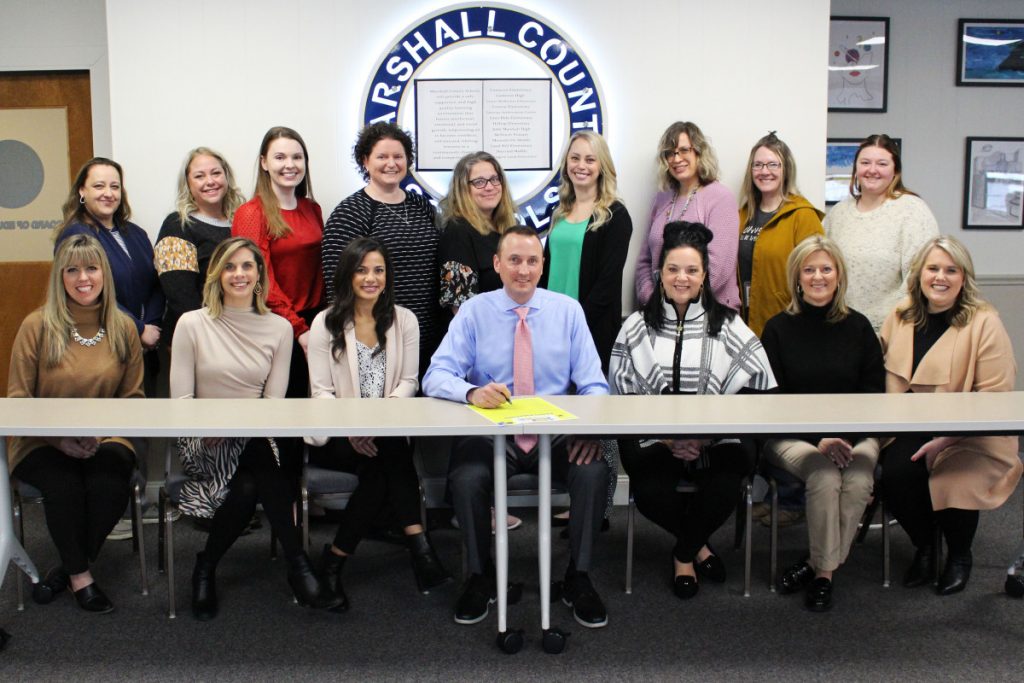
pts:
[513, 522]
[152, 515]
[122, 531]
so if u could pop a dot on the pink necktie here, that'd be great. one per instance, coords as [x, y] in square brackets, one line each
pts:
[522, 370]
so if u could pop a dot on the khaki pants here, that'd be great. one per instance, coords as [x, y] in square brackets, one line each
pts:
[835, 498]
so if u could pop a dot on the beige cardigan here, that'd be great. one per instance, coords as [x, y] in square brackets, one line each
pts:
[978, 472]
[339, 378]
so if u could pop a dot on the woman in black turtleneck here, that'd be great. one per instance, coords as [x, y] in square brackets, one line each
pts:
[820, 346]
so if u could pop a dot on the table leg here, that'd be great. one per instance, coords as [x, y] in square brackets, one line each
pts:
[544, 529]
[10, 548]
[501, 530]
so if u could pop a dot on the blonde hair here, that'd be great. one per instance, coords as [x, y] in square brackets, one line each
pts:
[276, 225]
[82, 250]
[185, 203]
[607, 182]
[896, 187]
[838, 310]
[458, 203]
[213, 291]
[707, 161]
[750, 196]
[968, 302]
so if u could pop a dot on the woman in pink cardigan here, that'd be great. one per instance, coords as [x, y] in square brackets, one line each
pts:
[364, 346]
[691, 192]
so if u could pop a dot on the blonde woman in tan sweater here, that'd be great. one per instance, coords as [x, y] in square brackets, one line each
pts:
[78, 345]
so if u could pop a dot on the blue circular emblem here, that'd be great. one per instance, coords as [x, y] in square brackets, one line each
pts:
[387, 93]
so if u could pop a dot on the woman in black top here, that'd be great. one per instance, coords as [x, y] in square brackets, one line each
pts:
[820, 346]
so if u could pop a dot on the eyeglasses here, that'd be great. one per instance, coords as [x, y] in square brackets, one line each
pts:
[671, 154]
[767, 165]
[481, 183]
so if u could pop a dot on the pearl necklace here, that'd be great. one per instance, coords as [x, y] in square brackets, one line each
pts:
[92, 341]
[686, 205]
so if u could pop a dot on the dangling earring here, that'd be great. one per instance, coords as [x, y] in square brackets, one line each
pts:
[258, 289]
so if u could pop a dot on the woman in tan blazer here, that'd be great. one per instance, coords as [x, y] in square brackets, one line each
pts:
[946, 338]
[364, 346]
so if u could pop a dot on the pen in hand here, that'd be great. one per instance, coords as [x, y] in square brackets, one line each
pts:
[491, 379]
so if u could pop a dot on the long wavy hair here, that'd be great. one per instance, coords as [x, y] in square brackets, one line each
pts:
[213, 290]
[185, 203]
[750, 195]
[74, 210]
[607, 182]
[838, 310]
[697, 236]
[342, 310]
[459, 201]
[276, 225]
[968, 302]
[707, 160]
[896, 187]
[82, 251]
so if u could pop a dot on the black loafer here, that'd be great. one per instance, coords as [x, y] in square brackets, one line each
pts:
[819, 595]
[955, 575]
[921, 570]
[92, 599]
[711, 568]
[55, 582]
[796, 578]
[685, 587]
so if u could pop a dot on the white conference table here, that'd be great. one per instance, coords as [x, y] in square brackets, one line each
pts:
[611, 416]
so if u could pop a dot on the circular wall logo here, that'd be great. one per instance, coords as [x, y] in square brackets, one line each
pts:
[485, 42]
[21, 174]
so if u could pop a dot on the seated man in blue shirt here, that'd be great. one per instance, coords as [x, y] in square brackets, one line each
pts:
[479, 362]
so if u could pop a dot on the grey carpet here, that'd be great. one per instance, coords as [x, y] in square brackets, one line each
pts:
[393, 633]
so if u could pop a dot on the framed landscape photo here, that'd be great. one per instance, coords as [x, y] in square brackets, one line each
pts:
[839, 155]
[994, 183]
[990, 52]
[858, 64]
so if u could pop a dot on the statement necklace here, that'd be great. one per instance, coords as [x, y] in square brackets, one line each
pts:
[92, 341]
[686, 205]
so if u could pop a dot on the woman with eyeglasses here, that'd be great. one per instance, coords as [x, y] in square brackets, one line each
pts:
[774, 218]
[475, 213]
[401, 220]
[691, 192]
[879, 228]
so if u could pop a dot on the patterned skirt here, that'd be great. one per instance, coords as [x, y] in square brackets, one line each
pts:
[209, 471]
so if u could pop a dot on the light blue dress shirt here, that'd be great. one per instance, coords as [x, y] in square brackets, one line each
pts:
[479, 346]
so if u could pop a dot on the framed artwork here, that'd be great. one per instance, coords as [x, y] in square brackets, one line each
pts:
[839, 154]
[990, 52]
[994, 183]
[858, 64]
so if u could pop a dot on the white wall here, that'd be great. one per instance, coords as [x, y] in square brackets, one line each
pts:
[221, 72]
[934, 116]
[40, 35]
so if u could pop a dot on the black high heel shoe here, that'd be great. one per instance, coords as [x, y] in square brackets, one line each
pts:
[307, 587]
[426, 565]
[204, 589]
[922, 568]
[955, 575]
[330, 569]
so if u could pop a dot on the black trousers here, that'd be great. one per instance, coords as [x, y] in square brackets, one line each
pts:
[905, 488]
[257, 479]
[691, 517]
[82, 498]
[471, 486]
[387, 483]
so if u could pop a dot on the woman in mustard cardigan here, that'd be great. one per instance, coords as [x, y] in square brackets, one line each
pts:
[946, 338]
[774, 218]
[364, 346]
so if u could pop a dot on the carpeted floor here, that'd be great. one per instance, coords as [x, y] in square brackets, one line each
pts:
[393, 633]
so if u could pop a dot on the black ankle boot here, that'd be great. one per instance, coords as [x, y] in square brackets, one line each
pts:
[330, 569]
[426, 565]
[308, 589]
[922, 569]
[955, 575]
[204, 589]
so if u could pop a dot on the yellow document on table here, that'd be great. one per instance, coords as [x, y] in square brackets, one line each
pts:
[524, 410]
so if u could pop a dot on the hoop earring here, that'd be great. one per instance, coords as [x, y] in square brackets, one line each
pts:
[81, 199]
